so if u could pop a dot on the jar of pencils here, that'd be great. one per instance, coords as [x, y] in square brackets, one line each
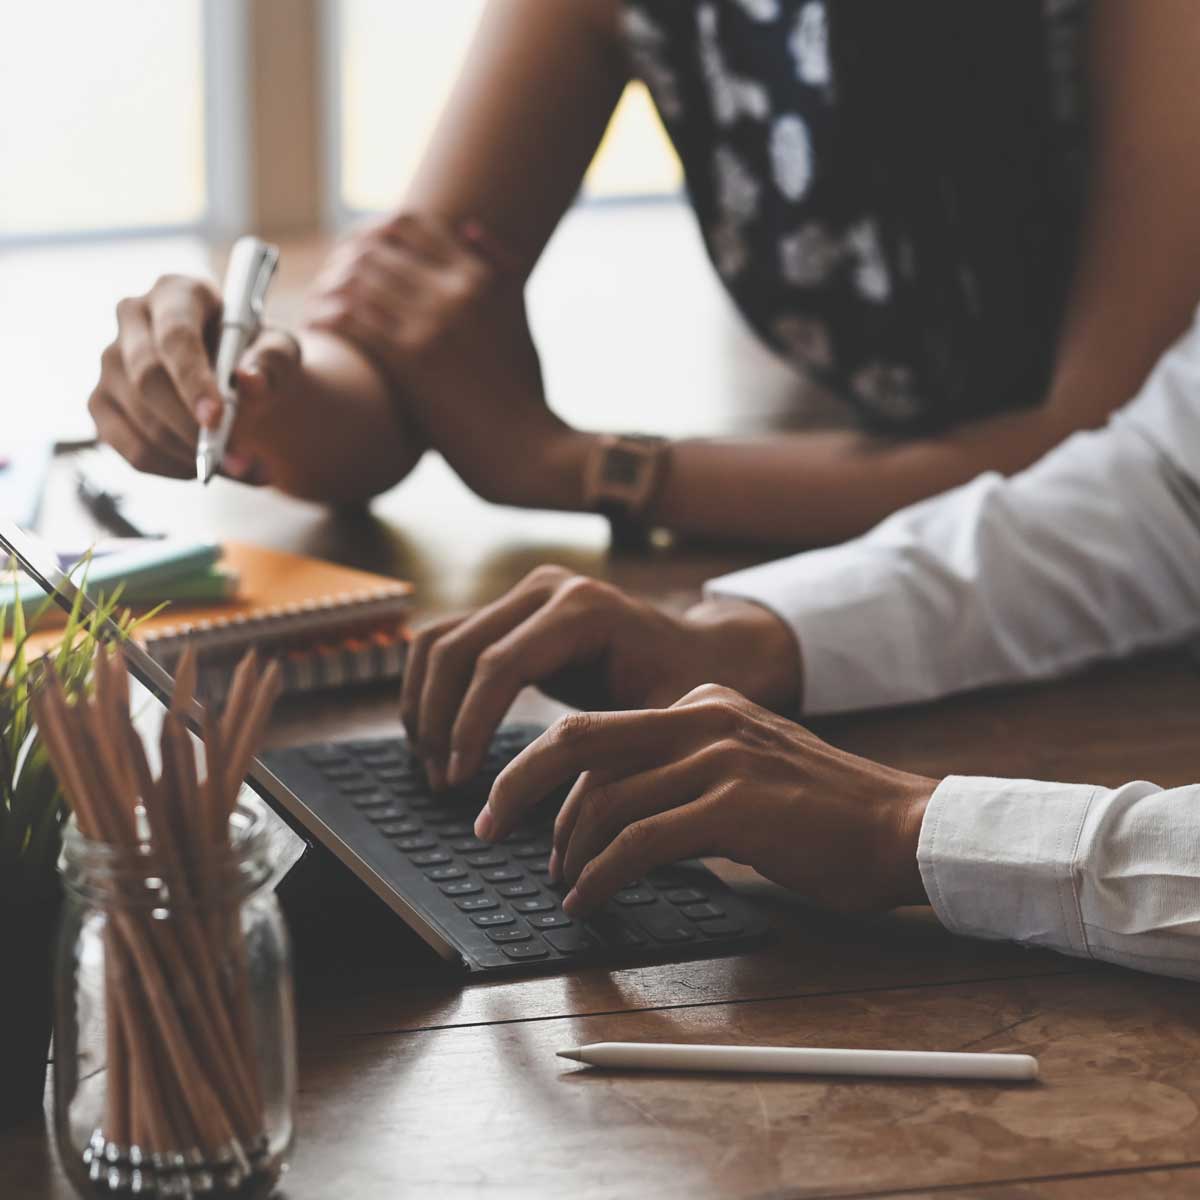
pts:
[174, 1053]
[174, 1049]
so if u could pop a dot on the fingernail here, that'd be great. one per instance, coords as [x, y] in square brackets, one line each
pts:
[570, 902]
[208, 411]
[456, 770]
[485, 824]
[555, 867]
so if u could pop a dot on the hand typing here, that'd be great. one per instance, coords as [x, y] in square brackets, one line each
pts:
[715, 774]
[584, 642]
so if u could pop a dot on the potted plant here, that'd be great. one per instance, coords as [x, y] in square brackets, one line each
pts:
[32, 810]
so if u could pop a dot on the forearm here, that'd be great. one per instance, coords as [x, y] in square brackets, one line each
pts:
[346, 438]
[811, 489]
[1091, 553]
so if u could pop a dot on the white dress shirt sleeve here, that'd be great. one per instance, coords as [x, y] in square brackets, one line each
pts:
[1093, 552]
[1104, 874]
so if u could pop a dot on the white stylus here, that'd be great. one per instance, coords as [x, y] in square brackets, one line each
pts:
[251, 264]
[788, 1060]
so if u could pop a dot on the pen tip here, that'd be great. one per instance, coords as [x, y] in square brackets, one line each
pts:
[573, 1055]
[205, 468]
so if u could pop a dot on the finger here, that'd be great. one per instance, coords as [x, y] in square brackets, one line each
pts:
[153, 401]
[556, 635]
[427, 237]
[414, 674]
[595, 813]
[115, 428]
[497, 253]
[179, 312]
[452, 662]
[690, 831]
[586, 741]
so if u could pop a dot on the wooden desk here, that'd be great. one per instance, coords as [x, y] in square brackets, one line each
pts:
[413, 1084]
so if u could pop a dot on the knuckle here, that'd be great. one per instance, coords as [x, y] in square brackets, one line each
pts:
[492, 663]
[546, 574]
[178, 337]
[572, 728]
[636, 840]
[582, 589]
[110, 357]
[143, 373]
[128, 308]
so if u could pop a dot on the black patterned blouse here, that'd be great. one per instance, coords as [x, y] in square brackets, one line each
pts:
[891, 190]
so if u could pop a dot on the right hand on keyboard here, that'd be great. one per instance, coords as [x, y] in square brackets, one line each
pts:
[157, 385]
[588, 644]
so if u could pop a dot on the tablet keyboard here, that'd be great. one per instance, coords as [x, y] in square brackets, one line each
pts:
[495, 901]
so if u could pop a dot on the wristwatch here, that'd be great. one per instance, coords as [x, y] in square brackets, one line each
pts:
[622, 477]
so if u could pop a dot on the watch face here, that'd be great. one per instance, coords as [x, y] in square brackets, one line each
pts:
[622, 467]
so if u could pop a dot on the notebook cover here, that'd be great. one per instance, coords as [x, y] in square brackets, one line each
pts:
[284, 599]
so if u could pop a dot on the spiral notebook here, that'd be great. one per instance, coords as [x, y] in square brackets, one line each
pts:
[329, 626]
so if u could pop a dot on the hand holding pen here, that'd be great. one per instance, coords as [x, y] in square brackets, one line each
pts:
[251, 265]
[159, 385]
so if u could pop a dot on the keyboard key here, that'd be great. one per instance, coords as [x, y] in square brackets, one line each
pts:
[724, 927]
[509, 935]
[538, 904]
[635, 896]
[375, 799]
[417, 841]
[406, 787]
[510, 891]
[385, 812]
[500, 874]
[537, 849]
[420, 841]
[343, 771]
[538, 866]
[489, 920]
[464, 887]
[382, 756]
[469, 845]
[399, 829]
[443, 821]
[429, 858]
[685, 896]
[439, 874]
[323, 755]
[572, 940]
[456, 829]
[526, 951]
[491, 859]
[477, 903]
[667, 927]
[357, 787]
[549, 920]
[397, 774]
[703, 912]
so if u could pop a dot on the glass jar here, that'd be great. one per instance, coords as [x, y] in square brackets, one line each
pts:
[174, 1056]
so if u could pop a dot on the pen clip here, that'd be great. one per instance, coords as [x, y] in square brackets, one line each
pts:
[268, 261]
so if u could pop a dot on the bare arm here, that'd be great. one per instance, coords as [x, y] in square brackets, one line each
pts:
[1136, 286]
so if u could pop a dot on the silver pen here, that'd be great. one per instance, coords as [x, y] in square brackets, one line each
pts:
[251, 264]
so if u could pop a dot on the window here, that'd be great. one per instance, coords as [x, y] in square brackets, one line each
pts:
[396, 64]
[101, 117]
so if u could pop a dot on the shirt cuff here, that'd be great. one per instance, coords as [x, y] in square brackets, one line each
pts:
[998, 859]
[850, 616]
